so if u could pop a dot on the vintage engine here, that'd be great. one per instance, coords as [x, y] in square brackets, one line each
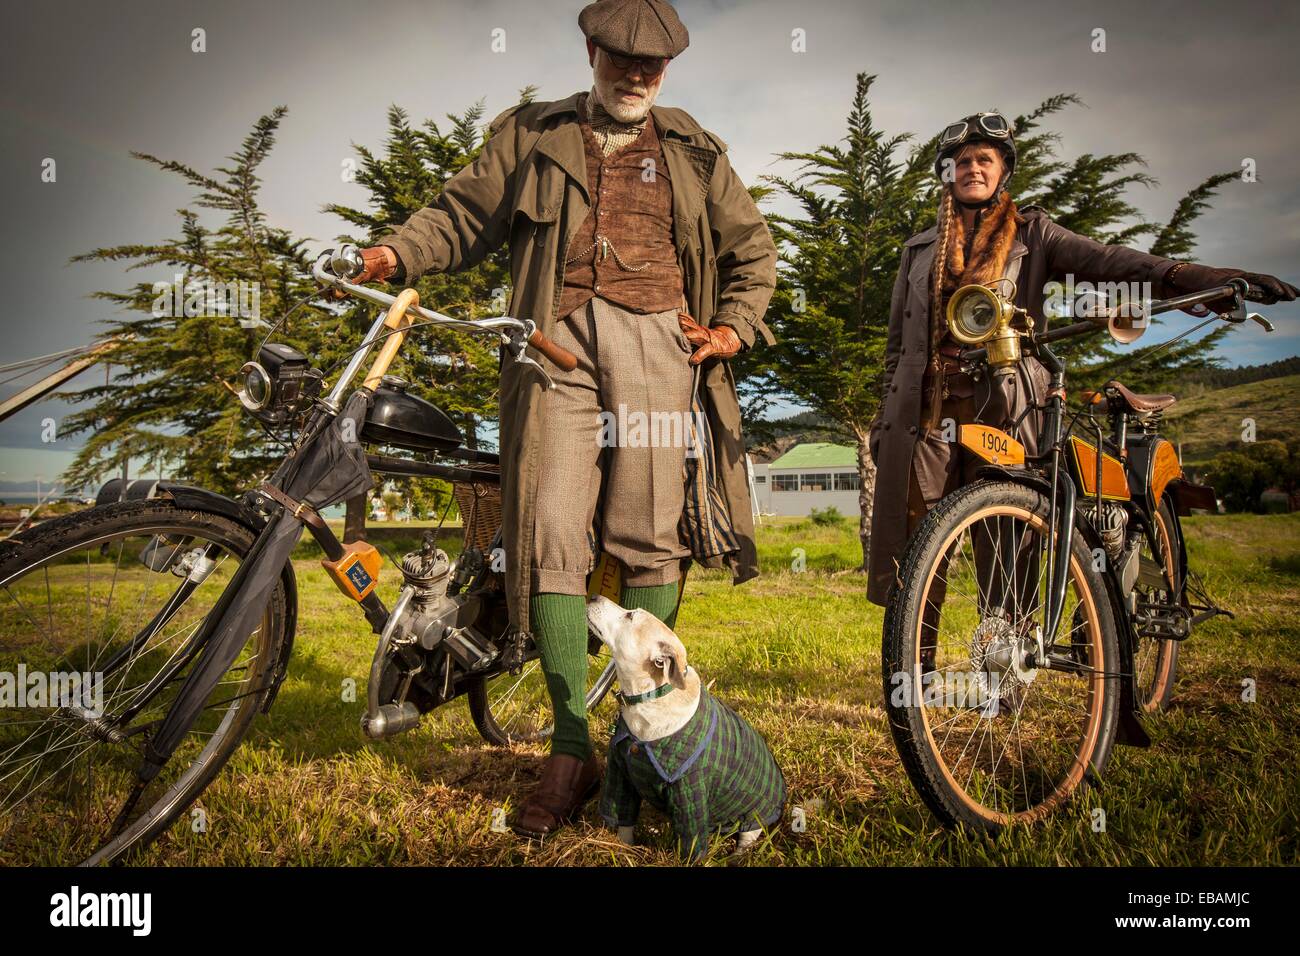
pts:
[1122, 551]
[428, 642]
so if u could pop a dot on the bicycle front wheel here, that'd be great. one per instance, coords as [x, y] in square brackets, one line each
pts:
[988, 735]
[101, 610]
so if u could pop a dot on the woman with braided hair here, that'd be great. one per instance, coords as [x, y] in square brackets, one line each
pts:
[980, 237]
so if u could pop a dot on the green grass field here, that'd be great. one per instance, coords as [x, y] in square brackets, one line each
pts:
[798, 654]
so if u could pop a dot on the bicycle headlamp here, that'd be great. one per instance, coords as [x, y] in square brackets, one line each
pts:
[257, 387]
[977, 315]
[279, 384]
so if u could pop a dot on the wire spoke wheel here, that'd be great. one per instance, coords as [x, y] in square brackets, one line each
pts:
[97, 635]
[988, 734]
[1155, 660]
[516, 708]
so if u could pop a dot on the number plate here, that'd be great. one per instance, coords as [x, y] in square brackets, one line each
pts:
[992, 444]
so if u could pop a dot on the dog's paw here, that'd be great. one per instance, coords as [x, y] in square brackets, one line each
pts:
[745, 843]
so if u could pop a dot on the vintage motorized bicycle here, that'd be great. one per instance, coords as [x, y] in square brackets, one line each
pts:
[180, 604]
[1038, 612]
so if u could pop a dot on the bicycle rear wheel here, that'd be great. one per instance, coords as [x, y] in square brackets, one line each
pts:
[103, 594]
[516, 708]
[1155, 660]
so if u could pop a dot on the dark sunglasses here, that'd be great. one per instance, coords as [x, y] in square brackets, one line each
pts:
[650, 65]
[991, 124]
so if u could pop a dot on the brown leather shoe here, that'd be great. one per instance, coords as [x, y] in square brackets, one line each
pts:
[566, 785]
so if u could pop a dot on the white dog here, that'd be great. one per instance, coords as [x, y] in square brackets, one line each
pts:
[675, 745]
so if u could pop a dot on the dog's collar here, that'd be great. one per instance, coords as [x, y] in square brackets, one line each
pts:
[660, 691]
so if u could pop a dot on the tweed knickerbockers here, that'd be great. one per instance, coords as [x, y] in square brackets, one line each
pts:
[634, 367]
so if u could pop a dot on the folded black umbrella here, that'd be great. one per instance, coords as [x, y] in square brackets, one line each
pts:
[329, 469]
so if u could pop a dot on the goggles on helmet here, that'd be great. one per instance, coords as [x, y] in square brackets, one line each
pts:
[991, 125]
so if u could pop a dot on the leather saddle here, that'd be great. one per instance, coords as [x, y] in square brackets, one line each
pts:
[1121, 399]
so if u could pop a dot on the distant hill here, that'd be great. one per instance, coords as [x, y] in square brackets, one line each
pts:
[1207, 420]
[768, 440]
[1226, 377]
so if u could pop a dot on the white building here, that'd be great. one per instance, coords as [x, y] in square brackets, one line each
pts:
[808, 476]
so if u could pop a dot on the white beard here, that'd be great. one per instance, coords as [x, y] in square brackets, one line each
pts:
[608, 96]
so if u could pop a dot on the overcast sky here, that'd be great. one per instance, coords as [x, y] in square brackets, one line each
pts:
[1193, 87]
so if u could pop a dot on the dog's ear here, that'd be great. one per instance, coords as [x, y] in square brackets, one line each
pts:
[671, 659]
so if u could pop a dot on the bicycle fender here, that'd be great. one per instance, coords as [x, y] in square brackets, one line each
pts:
[187, 496]
[1020, 476]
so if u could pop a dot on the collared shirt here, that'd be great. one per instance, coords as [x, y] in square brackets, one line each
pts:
[715, 773]
[610, 133]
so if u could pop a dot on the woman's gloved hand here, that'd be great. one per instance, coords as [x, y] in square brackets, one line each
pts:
[1268, 289]
[1187, 277]
[378, 263]
[719, 340]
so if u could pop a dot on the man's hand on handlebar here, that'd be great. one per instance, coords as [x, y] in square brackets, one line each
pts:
[378, 263]
[1188, 277]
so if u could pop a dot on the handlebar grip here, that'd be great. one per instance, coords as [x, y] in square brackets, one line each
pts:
[1233, 287]
[561, 356]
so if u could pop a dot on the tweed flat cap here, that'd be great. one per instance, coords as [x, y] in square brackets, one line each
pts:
[634, 27]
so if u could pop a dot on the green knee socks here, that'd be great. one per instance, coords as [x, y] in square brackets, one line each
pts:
[560, 630]
[660, 600]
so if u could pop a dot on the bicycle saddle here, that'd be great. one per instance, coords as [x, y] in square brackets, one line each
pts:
[1122, 399]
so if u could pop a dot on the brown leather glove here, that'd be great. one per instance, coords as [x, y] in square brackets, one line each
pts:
[719, 340]
[379, 263]
[1189, 277]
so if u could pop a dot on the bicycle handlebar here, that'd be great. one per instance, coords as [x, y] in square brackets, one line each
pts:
[1235, 288]
[326, 278]
[515, 333]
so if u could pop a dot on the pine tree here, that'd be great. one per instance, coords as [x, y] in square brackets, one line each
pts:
[172, 395]
[456, 370]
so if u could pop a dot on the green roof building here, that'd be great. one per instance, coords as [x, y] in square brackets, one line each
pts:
[810, 475]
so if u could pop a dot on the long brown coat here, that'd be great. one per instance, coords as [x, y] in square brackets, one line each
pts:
[528, 187]
[1050, 252]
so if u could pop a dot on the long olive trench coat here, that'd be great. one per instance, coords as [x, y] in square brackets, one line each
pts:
[1048, 252]
[528, 187]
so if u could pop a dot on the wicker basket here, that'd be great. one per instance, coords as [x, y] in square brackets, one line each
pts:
[480, 507]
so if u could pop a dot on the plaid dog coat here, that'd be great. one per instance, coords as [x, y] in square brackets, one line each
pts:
[715, 773]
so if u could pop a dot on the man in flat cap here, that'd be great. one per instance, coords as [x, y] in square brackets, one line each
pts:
[634, 245]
